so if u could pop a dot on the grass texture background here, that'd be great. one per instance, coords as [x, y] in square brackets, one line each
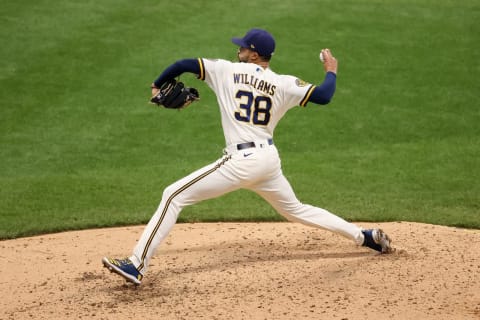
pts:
[80, 147]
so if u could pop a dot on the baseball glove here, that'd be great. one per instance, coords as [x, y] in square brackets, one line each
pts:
[174, 95]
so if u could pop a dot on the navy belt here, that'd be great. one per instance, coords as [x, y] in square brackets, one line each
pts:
[247, 145]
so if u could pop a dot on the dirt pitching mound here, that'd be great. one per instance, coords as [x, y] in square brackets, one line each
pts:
[246, 271]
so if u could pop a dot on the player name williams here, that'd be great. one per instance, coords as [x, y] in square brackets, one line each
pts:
[258, 84]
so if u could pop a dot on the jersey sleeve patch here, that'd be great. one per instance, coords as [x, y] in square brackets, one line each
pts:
[300, 83]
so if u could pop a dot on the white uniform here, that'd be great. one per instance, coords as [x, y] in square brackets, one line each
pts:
[252, 101]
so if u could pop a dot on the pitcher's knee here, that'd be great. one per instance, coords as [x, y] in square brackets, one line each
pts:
[177, 197]
[294, 209]
[169, 191]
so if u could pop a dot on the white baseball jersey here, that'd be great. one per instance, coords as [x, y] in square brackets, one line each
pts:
[252, 99]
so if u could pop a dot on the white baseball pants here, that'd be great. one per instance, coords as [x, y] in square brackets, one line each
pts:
[257, 169]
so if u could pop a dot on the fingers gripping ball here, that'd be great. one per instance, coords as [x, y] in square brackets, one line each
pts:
[324, 55]
[174, 95]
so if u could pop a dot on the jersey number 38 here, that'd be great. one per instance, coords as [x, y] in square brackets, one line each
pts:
[253, 109]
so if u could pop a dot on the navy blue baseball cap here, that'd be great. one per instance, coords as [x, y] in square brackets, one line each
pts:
[257, 40]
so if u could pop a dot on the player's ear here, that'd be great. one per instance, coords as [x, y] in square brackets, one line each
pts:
[254, 56]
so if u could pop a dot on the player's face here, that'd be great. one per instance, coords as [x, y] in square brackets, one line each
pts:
[244, 54]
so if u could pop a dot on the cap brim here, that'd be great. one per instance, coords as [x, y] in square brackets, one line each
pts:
[239, 42]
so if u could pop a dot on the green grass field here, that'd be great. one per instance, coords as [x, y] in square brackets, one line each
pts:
[80, 147]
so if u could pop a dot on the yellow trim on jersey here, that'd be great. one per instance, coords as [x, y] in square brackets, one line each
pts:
[201, 76]
[307, 96]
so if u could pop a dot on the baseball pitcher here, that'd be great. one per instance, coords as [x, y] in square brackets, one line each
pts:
[252, 99]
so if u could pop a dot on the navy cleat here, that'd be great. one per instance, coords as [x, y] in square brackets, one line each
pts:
[377, 240]
[123, 267]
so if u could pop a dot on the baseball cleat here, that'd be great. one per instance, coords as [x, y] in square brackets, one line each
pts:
[123, 267]
[377, 240]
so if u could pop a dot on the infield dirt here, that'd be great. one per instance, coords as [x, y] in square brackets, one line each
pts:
[246, 271]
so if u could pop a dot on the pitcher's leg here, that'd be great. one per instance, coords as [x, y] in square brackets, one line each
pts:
[281, 196]
[203, 184]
